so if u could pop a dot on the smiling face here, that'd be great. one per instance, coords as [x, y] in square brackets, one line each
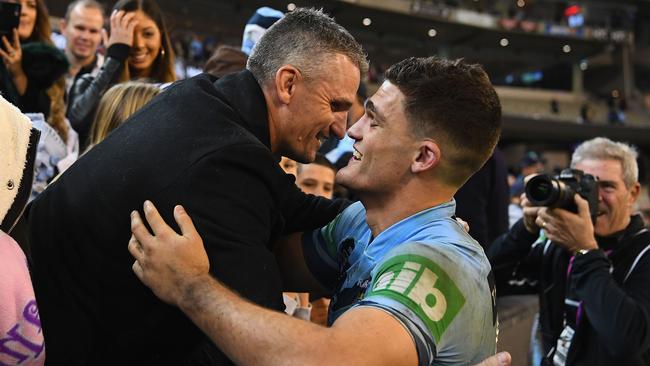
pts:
[384, 145]
[83, 32]
[147, 42]
[615, 200]
[318, 107]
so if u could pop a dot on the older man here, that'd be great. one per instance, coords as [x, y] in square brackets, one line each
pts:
[214, 146]
[410, 285]
[592, 278]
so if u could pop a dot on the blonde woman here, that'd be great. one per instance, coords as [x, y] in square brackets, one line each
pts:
[118, 104]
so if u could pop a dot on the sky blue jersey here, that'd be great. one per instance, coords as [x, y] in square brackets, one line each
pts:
[425, 270]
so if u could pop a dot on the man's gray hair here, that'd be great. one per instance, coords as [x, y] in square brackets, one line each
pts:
[86, 4]
[304, 38]
[602, 148]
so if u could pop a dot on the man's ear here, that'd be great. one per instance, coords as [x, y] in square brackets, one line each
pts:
[428, 157]
[286, 79]
[634, 193]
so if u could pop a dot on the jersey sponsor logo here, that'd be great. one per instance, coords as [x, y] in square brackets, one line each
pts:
[422, 286]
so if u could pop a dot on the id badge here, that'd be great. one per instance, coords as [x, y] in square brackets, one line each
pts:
[563, 345]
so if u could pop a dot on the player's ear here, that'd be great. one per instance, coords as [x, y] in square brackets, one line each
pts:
[427, 156]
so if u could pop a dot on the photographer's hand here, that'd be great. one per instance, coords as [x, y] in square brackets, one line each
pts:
[567, 229]
[530, 214]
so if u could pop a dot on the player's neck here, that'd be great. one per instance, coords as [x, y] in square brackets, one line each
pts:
[385, 210]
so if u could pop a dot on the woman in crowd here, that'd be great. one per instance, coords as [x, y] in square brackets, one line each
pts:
[138, 49]
[34, 79]
[118, 104]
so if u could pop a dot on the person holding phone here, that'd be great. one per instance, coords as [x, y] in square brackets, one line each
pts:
[34, 67]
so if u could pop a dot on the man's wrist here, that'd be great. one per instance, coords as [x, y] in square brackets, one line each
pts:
[191, 291]
[586, 249]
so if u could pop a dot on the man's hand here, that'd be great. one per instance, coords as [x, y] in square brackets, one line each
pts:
[500, 359]
[166, 262]
[567, 229]
[122, 28]
[530, 214]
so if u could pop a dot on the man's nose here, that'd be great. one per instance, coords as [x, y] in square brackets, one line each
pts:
[339, 125]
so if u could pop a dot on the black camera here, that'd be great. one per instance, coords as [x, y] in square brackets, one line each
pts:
[558, 191]
[9, 19]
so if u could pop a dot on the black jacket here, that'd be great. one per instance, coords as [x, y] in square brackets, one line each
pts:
[87, 91]
[202, 144]
[43, 65]
[615, 325]
[483, 200]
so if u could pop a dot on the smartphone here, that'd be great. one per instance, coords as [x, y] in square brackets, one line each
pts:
[9, 18]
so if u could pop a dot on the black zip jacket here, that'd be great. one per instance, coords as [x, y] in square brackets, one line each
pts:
[615, 325]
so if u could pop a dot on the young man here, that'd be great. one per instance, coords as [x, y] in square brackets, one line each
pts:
[410, 285]
[82, 28]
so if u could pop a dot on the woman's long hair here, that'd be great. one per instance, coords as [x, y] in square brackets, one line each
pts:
[162, 70]
[42, 29]
[41, 33]
[118, 104]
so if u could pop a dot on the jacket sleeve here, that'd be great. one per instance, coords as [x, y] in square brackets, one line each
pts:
[512, 246]
[619, 314]
[304, 212]
[88, 90]
[516, 261]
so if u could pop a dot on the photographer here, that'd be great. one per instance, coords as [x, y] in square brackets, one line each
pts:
[592, 278]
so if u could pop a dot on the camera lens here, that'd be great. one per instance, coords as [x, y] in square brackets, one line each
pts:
[542, 190]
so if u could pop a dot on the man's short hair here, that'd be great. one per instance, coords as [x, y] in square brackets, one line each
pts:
[304, 38]
[602, 148]
[85, 4]
[454, 103]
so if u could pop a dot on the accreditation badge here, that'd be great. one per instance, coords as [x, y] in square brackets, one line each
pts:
[563, 345]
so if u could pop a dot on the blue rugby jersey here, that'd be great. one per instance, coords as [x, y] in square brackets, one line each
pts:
[425, 270]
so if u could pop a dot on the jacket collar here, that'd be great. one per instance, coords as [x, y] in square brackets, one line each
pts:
[244, 94]
[613, 241]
